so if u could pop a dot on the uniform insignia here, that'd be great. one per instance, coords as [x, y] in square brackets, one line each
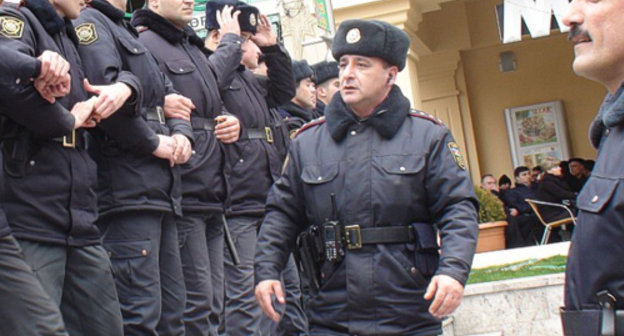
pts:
[86, 33]
[11, 27]
[353, 36]
[423, 115]
[459, 159]
[252, 19]
[317, 121]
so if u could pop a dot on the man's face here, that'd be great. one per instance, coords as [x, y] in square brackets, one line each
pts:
[67, 8]
[328, 89]
[306, 94]
[489, 183]
[576, 169]
[251, 52]
[534, 175]
[363, 80]
[178, 12]
[524, 178]
[598, 41]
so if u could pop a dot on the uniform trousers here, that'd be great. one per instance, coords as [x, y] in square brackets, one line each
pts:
[144, 250]
[243, 316]
[201, 251]
[24, 304]
[80, 281]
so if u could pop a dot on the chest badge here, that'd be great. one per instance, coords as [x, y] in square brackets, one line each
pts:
[86, 33]
[11, 27]
[457, 156]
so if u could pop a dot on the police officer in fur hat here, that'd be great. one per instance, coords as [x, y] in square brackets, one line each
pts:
[300, 109]
[368, 187]
[327, 84]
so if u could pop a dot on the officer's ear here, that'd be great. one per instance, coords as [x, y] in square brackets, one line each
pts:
[392, 73]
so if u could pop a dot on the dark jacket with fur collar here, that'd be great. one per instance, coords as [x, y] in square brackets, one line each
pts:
[182, 56]
[112, 53]
[49, 194]
[395, 168]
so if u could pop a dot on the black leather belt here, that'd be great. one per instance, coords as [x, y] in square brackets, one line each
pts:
[355, 236]
[606, 321]
[264, 133]
[155, 113]
[72, 140]
[199, 123]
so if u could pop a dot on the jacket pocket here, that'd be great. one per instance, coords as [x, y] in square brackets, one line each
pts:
[133, 47]
[402, 164]
[317, 174]
[596, 194]
[180, 67]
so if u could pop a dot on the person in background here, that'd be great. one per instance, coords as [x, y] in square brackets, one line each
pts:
[327, 84]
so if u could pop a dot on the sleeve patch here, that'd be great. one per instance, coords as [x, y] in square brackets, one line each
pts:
[11, 27]
[457, 156]
[86, 33]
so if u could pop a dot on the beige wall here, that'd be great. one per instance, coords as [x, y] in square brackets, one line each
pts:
[543, 74]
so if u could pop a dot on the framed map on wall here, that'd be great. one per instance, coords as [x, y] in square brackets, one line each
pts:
[537, 134]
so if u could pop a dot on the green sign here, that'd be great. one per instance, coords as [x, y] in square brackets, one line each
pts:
[324, 17]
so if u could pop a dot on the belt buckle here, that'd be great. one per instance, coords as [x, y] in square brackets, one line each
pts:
[161, 115]
[70, 141]
[353, 231]
[269, 134]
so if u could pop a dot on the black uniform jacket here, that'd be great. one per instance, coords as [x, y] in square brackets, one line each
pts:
[130, 177]
[553, 189]
[53, 199]
[252, 165]
[16, 68]
[182, 56]
[396, 168]
[295, 116]
[595, 258]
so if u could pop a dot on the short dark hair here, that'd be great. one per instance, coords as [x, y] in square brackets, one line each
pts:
[504, 179]
[589, 164]
[538, 168]
[579, 160]
[519, 170]
[484, 176]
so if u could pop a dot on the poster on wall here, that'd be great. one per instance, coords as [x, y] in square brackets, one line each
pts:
[537, 134]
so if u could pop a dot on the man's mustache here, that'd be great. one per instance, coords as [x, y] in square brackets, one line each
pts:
[576, 31]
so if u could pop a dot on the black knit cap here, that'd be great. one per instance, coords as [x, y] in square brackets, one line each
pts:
[371, 38]
[302, 70]
[324, 71]
[248, 18]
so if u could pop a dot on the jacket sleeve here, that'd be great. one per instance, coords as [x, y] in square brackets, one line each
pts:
[20, 101]
[226, 59]
[285, 219]
[131, 133]
[453, 205]
[102, 62]
[281, 80]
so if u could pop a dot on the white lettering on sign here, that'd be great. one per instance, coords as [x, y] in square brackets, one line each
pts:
[536, 15]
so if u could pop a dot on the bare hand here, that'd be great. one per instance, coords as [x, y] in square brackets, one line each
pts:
[110, 98]
[183, 148]
[448, 294]
[265, 290]
[50, 92]
[54, 68]
[228, 21]
[166, 148]
[265, 36]
[513, 212]
[177, 106]
[82, 112]
[227, 129]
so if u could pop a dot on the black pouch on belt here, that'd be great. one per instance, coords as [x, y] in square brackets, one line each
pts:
[425, 248]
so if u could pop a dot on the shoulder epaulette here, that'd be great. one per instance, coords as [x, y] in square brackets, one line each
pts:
[315, 122]
[141, 29]
[423, 115]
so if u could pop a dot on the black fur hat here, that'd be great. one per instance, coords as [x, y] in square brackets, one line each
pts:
[324, 71]
[371, 38]
[301, 70]
[248, 18]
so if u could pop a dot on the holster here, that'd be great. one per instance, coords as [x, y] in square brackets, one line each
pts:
[18, 147]
[309, 255]
[425, 248]
[606, 321]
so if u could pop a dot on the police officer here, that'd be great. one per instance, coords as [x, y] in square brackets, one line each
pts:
[327, 84]
[24, 304]
[300, 109]
[139, 192]
[594, 288]
[383, 177]
[49, 179]
[253, 162]
[181, 55]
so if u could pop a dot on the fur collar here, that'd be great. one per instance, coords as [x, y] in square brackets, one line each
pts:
[611, 114]
[107, 9]
[387, 118]
[298, 111]
[164, 28]
[49, 19]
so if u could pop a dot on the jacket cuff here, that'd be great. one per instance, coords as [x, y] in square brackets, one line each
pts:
[455, 268]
